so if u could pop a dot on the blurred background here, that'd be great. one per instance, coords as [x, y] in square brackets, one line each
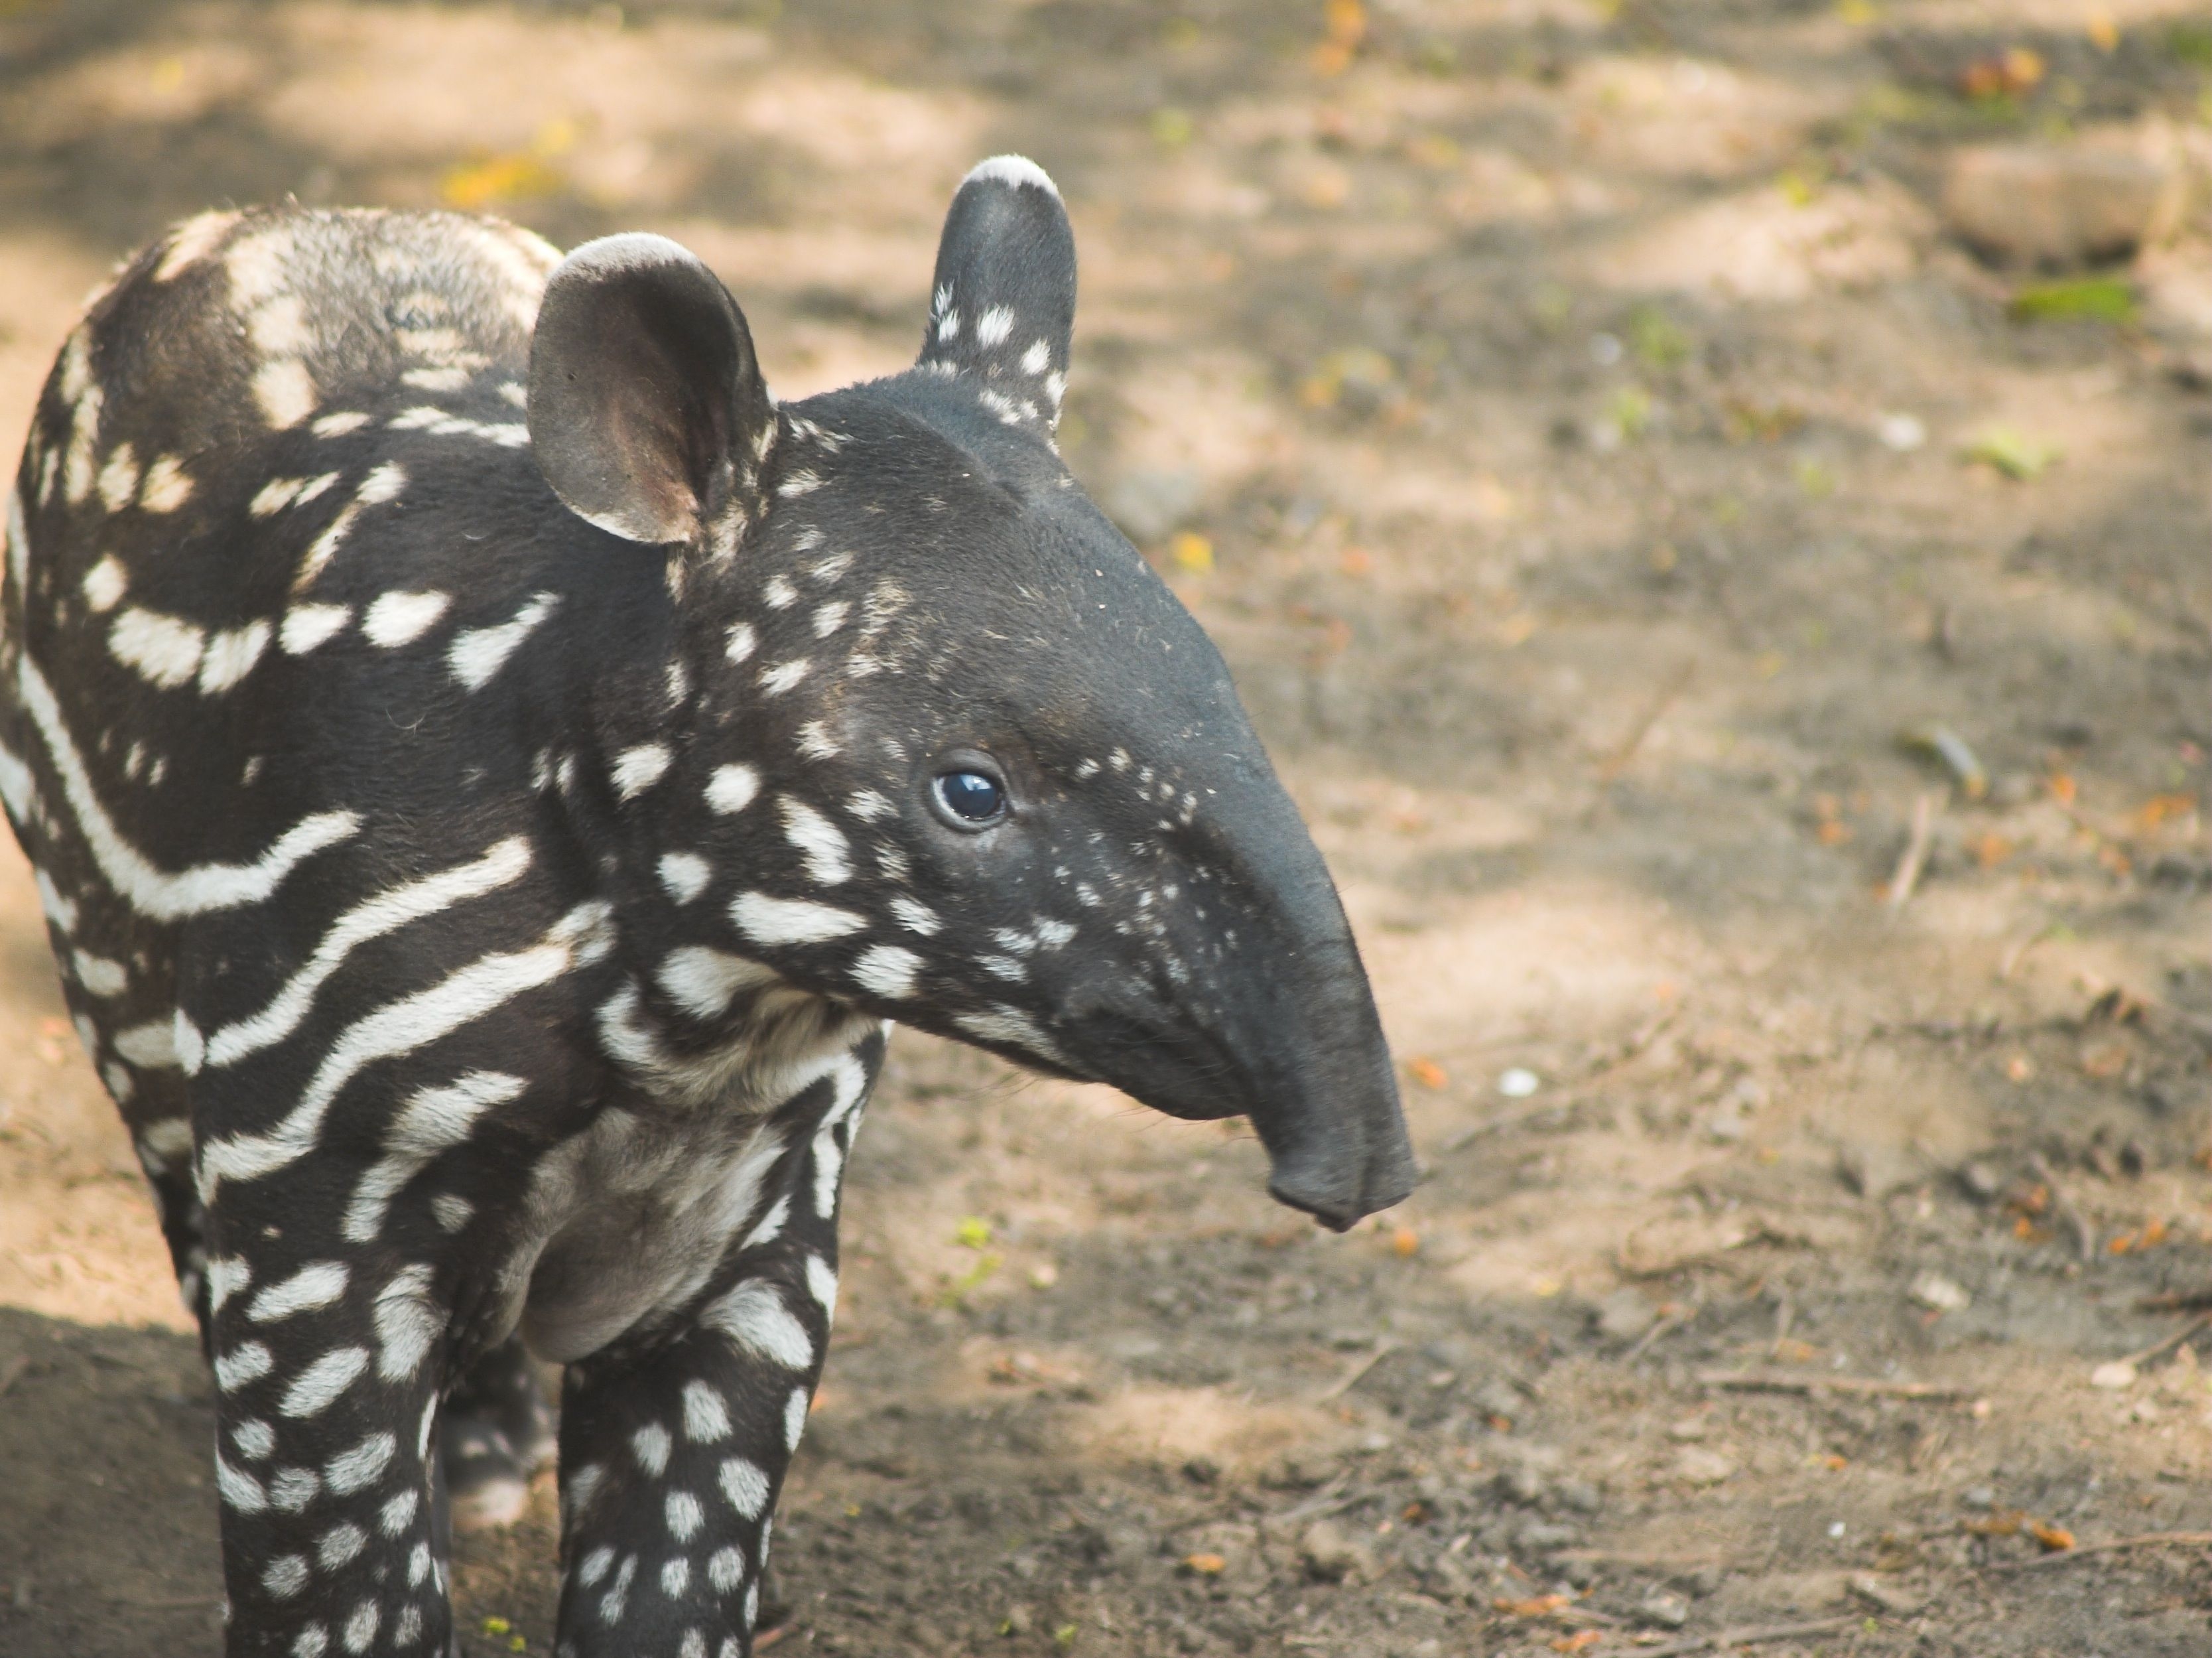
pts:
[1710, 502]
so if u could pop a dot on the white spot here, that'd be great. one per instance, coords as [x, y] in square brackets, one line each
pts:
[256, 1440]
[319, 1385]
[779, 594]
[815, 742]
[230, 656]
[651, 1444]
[407, 1319]
[194, 239]
[915, 915]
[118, 479]
[684, 1516]
[754, 1319]
[731, 789]
[867, 805]
[767, 920]
[745, 1486]
[164, 650]
[1010, 1026]
[478, 653]
[1037, 358]
[726, 1568]
[675, 1583]
[285, 391]
[279, 328]
[361, 1628]
[396, 1515]
[887, 971]
[701, 979]
[596, 1565]
[684, 875]
[238, 1489]
[285, 1575]
[783, 676]
[741, 642]
[993, 325]
[247, 1363]
[398, 618]
[819, 841]
[638, 769]
[337, 425]
[343, 1542]
[829, 618]
[311, 1642]
[360, 1467]
[310, 1287]
[167, 487]
[799, 482]
[794, 1424]
[706, 1414]
[822, 1284]
[100, 976]
[449, 379]
[306, 626]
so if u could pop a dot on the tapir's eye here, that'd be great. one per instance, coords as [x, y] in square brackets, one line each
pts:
[969, 798]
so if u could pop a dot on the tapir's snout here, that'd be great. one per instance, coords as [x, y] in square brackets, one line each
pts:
[1327, 1104]
[1268, 1016]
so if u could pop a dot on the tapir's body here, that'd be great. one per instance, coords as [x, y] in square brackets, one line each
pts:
[491, 776]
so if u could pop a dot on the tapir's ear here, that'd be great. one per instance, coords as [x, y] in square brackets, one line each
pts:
[647, 411]
[1003, 305]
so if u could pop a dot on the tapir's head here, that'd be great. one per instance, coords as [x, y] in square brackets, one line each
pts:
[968, 764]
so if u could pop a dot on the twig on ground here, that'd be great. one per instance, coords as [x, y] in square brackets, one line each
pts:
[1638, 1558]
[1747, 1637]
[1504, 1120]
[1784, 1381]
[1915, 856]
[1323, 1502]
[1663, 1326]
[1617, 762]
[2148, 1540]
[2085, 1236]
[1346, 1382]
[2176, 1300]
[2202, 1321]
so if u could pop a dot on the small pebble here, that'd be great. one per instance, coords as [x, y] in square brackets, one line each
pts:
[1901, 432]
[1518, 1083]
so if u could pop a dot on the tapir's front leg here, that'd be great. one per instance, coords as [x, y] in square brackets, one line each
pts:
[674, 1445]
[328, 1368]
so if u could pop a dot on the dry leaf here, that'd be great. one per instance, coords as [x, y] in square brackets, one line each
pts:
[1206, 1565]
[1542, 1607]
[1427, 1073]
[2054, 1538]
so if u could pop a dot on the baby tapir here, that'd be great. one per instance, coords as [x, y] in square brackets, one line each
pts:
[493, 772]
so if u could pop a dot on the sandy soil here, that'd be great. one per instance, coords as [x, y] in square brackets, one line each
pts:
[1524, 380]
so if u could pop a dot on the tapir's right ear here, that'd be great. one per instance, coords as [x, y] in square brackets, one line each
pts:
[647, 412]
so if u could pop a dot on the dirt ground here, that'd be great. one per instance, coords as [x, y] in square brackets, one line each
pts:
[1559, 412]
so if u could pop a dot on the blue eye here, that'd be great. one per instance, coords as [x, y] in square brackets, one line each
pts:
[971, 798]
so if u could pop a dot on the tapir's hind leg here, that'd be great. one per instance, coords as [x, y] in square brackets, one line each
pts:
[496, 1434]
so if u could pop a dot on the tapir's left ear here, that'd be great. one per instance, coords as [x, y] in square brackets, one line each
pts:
[1002, 308]
[647, 412]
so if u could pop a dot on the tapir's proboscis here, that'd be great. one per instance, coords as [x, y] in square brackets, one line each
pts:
[493, 774]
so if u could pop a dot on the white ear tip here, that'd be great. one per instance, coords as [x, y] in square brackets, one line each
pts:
[632, 250]
[1012, 170]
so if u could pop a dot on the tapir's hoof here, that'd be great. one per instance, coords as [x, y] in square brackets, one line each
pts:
[487, 1479]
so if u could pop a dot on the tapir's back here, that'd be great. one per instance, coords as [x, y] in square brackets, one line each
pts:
[251, 560]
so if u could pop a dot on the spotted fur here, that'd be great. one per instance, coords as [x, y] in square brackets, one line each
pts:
[478, 753]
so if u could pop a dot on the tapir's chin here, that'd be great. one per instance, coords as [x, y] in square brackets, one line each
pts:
[1338, 1161]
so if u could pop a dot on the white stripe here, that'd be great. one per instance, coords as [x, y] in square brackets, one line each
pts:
[310, 1287]
[397, 1027]
[767, 920]
[319, 1385]
[829, 1156]
[164, 650]
[388, 911]
[754, 1317]
[701, 979]
[434, 1119]
[478, 653]
[152, 892]
[822, 1284]
[17, 791]
[818, 841]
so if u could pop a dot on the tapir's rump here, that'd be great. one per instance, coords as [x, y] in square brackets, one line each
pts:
[492, 774]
